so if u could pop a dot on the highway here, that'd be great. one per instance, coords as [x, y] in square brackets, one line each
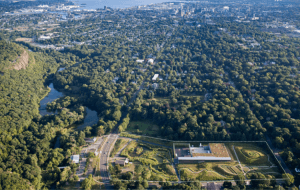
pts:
[104, 156]
[111, 139]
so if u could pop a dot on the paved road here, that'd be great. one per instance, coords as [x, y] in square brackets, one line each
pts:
[111, 139]
[82, 163]
[104, 159]
[114, 136]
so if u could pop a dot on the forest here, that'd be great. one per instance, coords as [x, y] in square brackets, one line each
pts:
[213, 84]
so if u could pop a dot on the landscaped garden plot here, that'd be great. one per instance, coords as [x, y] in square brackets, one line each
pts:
[253, 154]
[186, 175]
[234, 170]
[254, 157]
[142, 127]
[151, 162]
[274, 171]
[206, 171]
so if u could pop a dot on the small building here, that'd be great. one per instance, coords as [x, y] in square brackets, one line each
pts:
[42, 37]
[75, 159]
[155, 76]
[251, 64]
[122, 162]
[90, 140]
[151, 61]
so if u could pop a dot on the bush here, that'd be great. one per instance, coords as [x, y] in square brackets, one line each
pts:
[91, 155]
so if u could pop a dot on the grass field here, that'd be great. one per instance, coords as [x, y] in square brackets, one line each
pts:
[142, 127]
[161, 99]
[148, 139]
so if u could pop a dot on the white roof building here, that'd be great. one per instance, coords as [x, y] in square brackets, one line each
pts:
[42, 37]
[150, 61]
[75, 159]
[212, 152]
[155, 76]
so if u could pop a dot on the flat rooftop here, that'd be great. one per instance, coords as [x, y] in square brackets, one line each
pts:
[200, 150]
[216, 149]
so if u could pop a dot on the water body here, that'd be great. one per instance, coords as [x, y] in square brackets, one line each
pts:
[99, 4]
[90, 119]
[53, 94]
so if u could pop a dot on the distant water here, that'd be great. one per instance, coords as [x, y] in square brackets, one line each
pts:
[96, 4]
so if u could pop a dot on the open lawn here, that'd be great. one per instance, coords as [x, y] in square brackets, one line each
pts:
[148, 139]
[160, 99]
[142, 127]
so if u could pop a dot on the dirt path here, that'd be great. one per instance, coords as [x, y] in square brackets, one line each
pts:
[239, 161]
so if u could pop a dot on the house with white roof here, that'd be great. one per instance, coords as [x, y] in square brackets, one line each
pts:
[155, 77]
[75, 159]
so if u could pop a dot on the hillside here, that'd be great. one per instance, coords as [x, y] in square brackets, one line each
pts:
[20, 93]
[13, 56]
[17, 84]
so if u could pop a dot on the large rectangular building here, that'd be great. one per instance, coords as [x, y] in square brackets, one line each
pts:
[211, 152]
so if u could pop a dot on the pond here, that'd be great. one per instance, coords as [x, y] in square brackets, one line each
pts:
[53, 94]
[90, 119]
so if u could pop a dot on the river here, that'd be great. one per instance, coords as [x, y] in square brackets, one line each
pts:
[53, 94]
[90, 118]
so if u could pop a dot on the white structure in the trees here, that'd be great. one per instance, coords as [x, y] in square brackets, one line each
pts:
[155, 76]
